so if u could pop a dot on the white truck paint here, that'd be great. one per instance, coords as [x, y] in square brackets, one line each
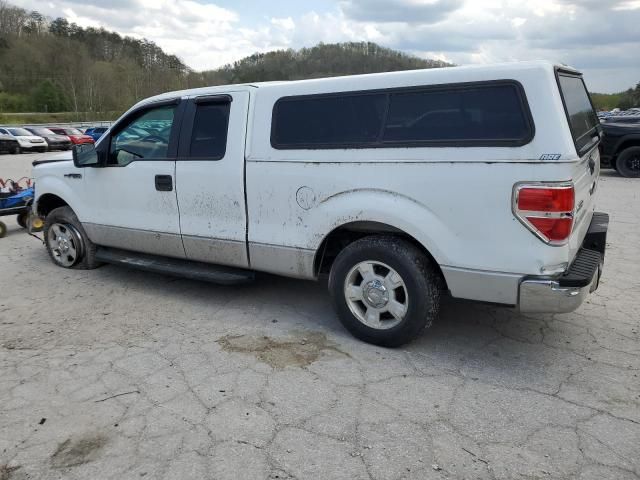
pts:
[272, 209]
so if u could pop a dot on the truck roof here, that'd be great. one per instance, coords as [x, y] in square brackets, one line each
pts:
[424, 76]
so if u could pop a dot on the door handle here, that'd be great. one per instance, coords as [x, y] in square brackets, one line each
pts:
[164, 183]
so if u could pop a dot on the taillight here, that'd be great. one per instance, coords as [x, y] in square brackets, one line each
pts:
[546, 209]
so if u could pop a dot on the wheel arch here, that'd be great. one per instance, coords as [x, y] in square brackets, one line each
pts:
[48, 202]
[345, 234]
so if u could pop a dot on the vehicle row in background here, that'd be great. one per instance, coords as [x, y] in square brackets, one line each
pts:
[27, 141]
[14, 139]
[616, 115]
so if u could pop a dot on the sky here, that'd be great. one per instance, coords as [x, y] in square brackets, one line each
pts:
[599, 37]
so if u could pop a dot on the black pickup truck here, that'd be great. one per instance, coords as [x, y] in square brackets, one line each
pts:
[620, 148]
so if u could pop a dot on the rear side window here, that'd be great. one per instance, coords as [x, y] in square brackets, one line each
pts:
[209, 134]
[582, 118]
[487, 113]
[320, 121]
[465, 115]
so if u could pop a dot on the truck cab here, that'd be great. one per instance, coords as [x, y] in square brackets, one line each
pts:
[477, 182]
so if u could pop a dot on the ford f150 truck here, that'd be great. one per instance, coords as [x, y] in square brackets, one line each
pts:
[473, 181]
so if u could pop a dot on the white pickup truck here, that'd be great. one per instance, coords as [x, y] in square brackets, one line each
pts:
[475, 181]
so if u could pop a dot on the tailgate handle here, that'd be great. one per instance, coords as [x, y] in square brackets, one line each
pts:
[164, 183]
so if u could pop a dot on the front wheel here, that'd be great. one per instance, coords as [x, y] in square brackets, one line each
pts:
[385, 290]
[628, 162]
[67, 243]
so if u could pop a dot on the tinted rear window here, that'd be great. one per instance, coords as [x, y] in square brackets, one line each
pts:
[582, 118]
[462, 115]
[483, 114]
[339, 120]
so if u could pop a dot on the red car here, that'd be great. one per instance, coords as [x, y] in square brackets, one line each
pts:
[75, 135]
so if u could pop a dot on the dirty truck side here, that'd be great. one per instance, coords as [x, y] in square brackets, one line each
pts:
[478, 182]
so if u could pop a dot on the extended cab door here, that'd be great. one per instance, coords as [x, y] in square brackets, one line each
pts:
[131, 201]
[210, 179]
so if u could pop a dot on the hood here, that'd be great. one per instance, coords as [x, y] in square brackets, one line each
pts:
[29, 137]
[55, 158]
[57, 138]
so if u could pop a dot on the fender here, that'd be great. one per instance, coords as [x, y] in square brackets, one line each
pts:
[623, 139]
[50, 180]
[377, 205]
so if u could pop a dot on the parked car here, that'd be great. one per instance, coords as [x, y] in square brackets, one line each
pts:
[75, 136]
[27, 141]
[54, 141]
[95, 132]
[8, 144]
[620, 148]
[399, 186]
[621, 119]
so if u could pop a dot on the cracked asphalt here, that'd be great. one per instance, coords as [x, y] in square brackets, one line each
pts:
[119, 374]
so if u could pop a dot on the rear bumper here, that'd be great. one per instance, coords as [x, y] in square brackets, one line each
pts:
[564, 293]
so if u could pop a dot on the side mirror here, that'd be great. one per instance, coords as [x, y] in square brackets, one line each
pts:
[85, 155]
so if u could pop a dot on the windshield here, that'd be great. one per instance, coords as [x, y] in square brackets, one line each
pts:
[582, 118]
[42, 131]
[19, 132]
[72, 131]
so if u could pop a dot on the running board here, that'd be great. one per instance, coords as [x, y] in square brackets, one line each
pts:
[175, 266]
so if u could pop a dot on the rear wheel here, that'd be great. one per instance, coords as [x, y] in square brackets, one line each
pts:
[67, 243]
[385, 290]
[628, 162]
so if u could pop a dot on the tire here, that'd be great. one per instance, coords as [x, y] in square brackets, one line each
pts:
[17, 150]
[22, 219]
[390, 278]
[75, 250]
[3, 230]
[628, 162]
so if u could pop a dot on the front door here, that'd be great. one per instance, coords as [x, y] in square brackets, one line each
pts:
[210, 179]
[131, 202]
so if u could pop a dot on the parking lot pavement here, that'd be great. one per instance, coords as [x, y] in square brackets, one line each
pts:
[118, 374]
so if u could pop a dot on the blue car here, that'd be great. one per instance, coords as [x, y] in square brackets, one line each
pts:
[95, 132]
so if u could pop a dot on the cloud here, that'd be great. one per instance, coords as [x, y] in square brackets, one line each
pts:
[407, 11]
[599, 36]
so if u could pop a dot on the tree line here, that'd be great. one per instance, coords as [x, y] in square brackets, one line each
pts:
[53, 65]
[623, 100]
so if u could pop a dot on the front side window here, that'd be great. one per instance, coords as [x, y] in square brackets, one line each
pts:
[209, 134]
[145, 137]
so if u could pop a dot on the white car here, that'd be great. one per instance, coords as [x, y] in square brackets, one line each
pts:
[473, 181]
[27, 141]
